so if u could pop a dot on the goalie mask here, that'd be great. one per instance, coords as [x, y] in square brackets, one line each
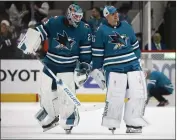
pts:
[74, 14]
[81, 73]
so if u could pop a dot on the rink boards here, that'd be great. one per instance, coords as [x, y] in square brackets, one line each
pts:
[20, 81]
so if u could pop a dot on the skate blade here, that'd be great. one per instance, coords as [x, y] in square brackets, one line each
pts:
[113, 131]
[68, 131]
[136, 131]
[52, 126]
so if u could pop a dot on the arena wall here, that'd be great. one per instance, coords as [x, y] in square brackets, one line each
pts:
[20, 82]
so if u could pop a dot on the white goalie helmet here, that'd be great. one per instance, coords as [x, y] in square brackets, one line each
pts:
[74, 14]
[81, 73]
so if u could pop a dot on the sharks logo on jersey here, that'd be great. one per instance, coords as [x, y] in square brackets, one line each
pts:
[64, 41]
[119, 40]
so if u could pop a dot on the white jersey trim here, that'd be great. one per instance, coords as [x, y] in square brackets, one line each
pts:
[97, 54]
[62, 57]
[60, 62]
[110, 58]
[83, 47]
[118, 62]
[85, 52]
[97, 49]
[135, 43]
[136, 47]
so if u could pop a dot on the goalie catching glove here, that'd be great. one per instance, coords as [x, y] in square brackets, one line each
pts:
[30, 42]
[81, 73]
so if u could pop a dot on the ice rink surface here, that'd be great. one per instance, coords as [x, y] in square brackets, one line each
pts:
[18, 122]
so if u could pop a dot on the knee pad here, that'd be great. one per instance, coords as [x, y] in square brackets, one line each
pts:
[48, 98]
[137, 95]
[117, 83]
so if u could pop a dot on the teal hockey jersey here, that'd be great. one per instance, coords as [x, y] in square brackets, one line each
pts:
[159, 79]
[66, 44]
[116, 48]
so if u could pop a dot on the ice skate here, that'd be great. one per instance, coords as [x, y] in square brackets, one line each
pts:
[134, 129]
[163, 103]
[51, 125]
[112, 129]
[68, 131]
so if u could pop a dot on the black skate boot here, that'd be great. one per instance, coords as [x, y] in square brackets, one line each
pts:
[68, 131]
[51, 125]
[112, 129]
[163, 103]
[133, 129]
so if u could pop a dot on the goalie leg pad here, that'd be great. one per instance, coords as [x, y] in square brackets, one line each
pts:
[68, 112]
[41, 115]
[137, 85]
[45, 120]
[137, 95]
[117, 83]
[48, 99]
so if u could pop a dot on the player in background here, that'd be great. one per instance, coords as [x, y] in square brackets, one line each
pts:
[96, 19]
[159, 84]
[69, 41]
[116, 50]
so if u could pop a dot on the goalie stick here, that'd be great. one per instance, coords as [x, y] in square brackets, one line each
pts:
[69, 93]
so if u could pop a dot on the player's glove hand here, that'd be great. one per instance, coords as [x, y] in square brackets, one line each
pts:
[81, 73]
[27, 49]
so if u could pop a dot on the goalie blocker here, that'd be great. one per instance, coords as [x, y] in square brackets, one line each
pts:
[81, 73]
[30, 43]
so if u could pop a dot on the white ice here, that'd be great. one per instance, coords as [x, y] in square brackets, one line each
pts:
[18, 122]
